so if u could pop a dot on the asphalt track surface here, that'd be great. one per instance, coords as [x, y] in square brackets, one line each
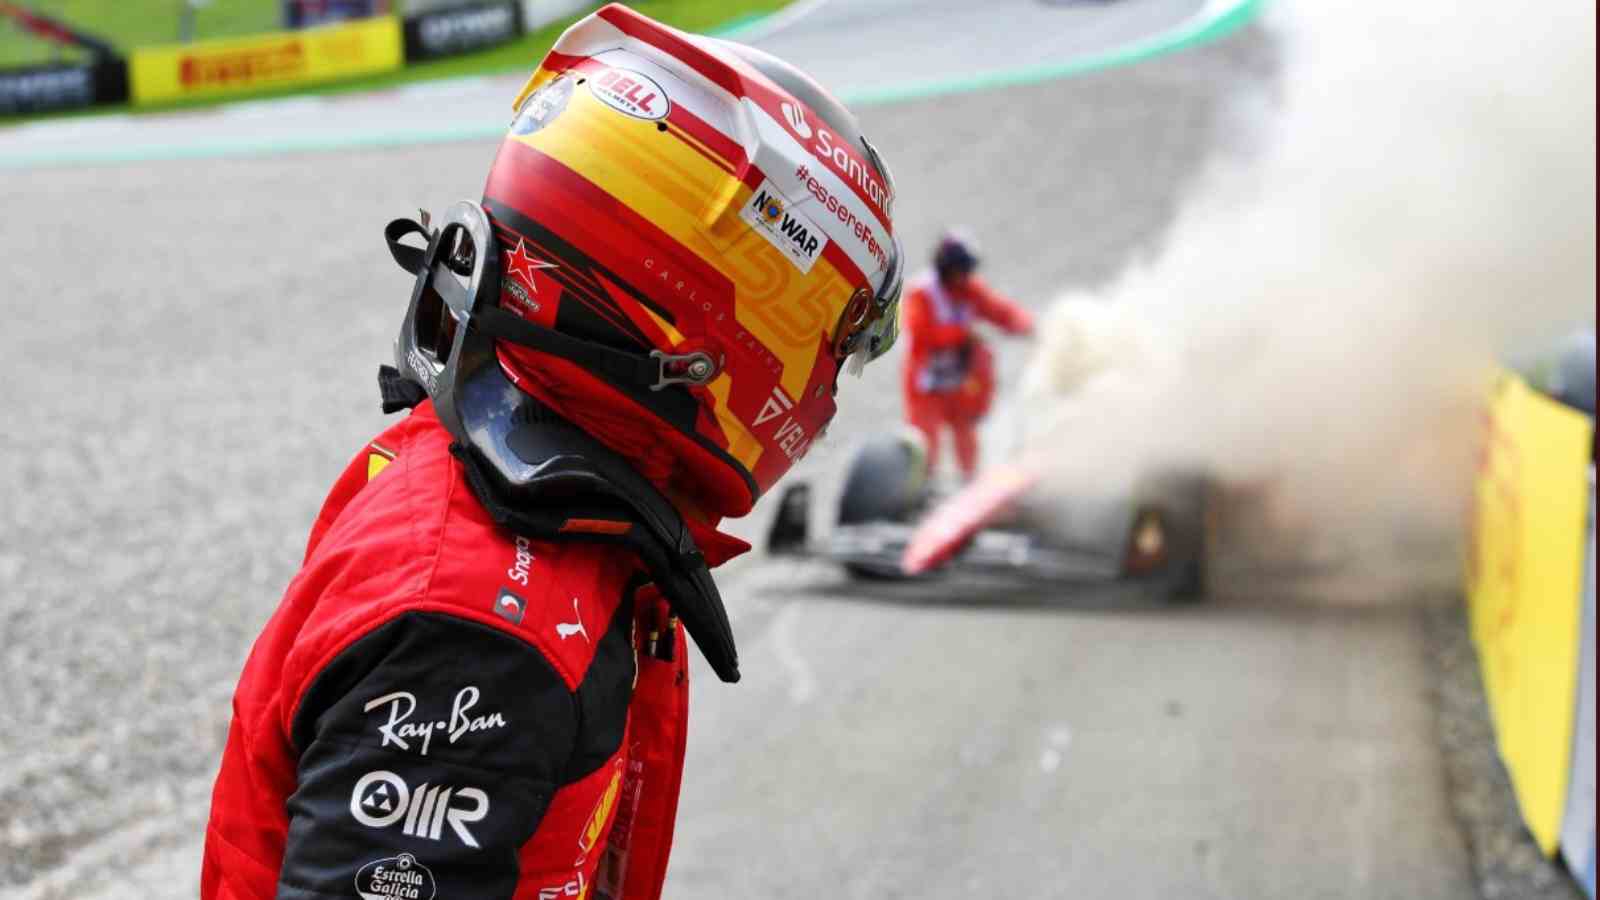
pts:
[191, 348]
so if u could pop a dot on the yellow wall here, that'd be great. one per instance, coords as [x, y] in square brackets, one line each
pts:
[1524, 579]
[248, 64]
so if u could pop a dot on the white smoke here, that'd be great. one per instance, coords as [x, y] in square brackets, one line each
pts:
[1325, 315]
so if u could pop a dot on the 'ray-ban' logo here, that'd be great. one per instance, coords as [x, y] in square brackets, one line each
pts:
[403, 727]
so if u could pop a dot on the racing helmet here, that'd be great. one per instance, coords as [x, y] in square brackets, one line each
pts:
[955, 254]
[697, 239]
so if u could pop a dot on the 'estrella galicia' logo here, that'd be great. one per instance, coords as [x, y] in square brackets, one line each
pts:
[399, 876]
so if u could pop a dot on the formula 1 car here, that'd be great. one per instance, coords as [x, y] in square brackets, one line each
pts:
[1010, 521]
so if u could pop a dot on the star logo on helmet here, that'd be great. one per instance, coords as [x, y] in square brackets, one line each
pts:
[523, 264]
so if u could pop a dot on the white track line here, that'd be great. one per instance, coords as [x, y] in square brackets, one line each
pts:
[802, 681]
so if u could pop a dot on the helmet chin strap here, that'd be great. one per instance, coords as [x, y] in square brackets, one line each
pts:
[537, 475]
[570, 487]
[653, 371]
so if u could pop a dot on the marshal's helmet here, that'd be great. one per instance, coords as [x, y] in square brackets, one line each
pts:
[956, 254]
[697, 239]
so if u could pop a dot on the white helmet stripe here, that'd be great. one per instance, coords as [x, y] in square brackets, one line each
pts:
[699, 96]
[823, 196]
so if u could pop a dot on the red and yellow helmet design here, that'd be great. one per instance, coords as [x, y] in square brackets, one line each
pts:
[700, 202]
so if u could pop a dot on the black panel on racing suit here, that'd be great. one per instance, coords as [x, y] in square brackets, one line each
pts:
[429, 752]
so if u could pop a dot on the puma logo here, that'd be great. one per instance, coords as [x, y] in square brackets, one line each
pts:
[567, 629]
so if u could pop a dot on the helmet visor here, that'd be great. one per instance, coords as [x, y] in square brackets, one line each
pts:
[871, 320]
[885, 327]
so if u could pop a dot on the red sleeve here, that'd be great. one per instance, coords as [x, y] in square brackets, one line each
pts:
[350, 482]
[1004, 312]
[926, 330]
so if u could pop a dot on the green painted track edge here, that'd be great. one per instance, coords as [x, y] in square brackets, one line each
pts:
[730, 30]
[1194, 34]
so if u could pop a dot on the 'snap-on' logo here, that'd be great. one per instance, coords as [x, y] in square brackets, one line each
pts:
[627, 91]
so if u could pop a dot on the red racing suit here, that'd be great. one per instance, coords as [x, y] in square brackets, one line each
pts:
[949, 373]
[441, 709]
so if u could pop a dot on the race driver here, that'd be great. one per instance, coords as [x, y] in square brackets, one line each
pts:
[949, 373]
[476, 686]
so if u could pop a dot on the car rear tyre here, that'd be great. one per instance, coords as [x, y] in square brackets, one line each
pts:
[885, 482]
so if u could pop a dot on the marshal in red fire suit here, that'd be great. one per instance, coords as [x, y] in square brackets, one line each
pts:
[450, 708]
[949, 373]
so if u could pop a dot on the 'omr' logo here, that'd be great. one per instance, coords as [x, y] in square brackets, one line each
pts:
[627, 91]
[382, 798]
[399, 877]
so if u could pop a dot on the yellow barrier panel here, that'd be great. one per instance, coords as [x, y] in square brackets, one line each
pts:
[248, 64]
[1525, 579]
